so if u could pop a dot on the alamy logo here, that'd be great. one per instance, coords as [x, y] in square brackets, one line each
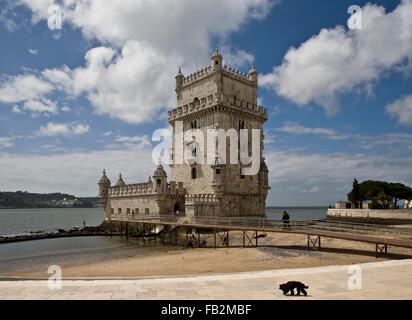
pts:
[189, 147]
[355, 280]
[55, 280]
[355, 20]
[55, 20]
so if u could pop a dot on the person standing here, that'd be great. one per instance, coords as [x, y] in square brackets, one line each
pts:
[285, 220]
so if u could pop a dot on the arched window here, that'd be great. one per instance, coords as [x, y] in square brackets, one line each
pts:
[194, 173]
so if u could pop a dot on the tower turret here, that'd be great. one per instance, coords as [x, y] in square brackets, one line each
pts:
[160, 179]
[104, 185]
[179, 79]
[217, 60]
[253, 75]
[120, 182]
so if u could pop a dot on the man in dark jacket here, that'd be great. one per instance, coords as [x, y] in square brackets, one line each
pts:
[285, 220]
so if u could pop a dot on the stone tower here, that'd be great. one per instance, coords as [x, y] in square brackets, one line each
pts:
[218, 97]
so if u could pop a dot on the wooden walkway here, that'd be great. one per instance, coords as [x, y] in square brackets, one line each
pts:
[381, 236]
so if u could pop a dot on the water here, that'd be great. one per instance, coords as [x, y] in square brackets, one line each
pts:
[297, 213]
[23, 221]
[39, 254]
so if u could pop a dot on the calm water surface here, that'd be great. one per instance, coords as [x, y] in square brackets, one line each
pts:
[23, 221]
[40, 254]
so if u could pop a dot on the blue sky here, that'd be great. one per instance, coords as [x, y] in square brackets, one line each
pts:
[89, 96]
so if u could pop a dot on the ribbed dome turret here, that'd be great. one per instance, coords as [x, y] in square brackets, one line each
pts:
[120, 182]
[160, 171]
[104, 180]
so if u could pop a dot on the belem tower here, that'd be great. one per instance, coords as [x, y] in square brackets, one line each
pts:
[217, 97]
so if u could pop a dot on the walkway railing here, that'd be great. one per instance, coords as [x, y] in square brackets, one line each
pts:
[273, 225]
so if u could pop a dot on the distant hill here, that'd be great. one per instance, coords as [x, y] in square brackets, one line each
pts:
[24, 199]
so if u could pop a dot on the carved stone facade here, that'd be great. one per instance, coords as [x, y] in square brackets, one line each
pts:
[216, 97]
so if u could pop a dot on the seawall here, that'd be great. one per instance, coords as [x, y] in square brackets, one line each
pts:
[384, 216]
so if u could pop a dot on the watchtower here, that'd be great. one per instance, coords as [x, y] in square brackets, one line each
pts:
[218, 97]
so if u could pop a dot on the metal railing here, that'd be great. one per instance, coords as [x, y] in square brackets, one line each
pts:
[274, 225]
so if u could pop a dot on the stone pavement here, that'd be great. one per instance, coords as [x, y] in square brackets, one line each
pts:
[379, 280]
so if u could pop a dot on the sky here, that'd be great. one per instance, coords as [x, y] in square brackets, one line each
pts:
[89, 95]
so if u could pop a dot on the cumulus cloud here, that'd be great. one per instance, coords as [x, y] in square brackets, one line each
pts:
[321, 179]
[61, 129]
[335, 61]
[401, 109]
[6, 142]
[28, 92]
[131, 77]
[296, 128]
[33, 51]
[80, 171]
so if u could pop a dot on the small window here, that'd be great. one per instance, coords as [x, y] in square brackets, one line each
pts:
[112, 211]
[217, 171]
[194, 173]
[136, 211]
[119, 210]
[159, 181]
[216, 62]
[128, 211]
[147, 211]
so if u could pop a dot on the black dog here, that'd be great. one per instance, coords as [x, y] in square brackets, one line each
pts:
[291, 286]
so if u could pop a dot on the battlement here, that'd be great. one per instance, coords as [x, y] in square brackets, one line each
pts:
[198, 75]
[131, 189]
[144, 188]
[206, 102]
[208, 71]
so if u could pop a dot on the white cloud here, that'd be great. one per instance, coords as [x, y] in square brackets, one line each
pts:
[80, 171]
[131, 77]
[140, 141]
[321, 179]
[28, 90]
[133, 85]
[295, 128]
[45, 106]
[62, 129]
[6, 142]
[401, 109]
[107, 133]
[336, 61]
[33, 51]
[66, 109]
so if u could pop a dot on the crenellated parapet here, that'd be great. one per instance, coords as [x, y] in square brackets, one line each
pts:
[210, 102]
[198, 75]
[208, 71]
[132, 189]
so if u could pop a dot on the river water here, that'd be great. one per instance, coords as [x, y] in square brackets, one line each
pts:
[39, 254]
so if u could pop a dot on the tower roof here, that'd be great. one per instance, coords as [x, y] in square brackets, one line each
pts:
[160, 171]
[216, 53]
[120, 182]
[104, 179]
[252, 70]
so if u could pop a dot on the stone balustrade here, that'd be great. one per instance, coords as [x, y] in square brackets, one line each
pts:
[205, 102]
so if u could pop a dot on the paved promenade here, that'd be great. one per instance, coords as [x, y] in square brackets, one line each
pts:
[379, 280]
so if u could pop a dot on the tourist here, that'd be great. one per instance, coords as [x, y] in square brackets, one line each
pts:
[285, 220]
[225, 240]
